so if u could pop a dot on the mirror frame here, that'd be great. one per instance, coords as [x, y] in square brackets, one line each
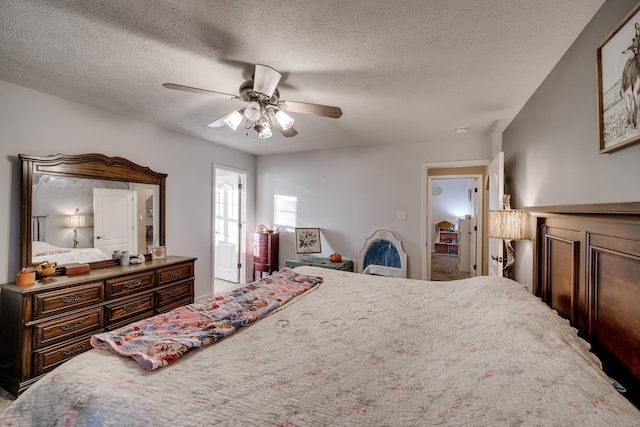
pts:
[92, 166]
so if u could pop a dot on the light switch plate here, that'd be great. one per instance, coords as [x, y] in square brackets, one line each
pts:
[402, 214]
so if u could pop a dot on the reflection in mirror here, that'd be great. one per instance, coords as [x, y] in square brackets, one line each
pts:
[85, 220]
[81, 208]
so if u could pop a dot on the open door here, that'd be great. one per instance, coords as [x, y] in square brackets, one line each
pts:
[228, 225]
[113, 220]
[496, 193]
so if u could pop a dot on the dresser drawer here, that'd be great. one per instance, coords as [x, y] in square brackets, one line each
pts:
[174, 273]
[127, 285]
[176, 304]
[128, 308]
[125, 322]
[48, 358]
[53, 332]
[49, 303]
[174, 293]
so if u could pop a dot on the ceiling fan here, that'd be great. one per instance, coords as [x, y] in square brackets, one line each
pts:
[265, 109]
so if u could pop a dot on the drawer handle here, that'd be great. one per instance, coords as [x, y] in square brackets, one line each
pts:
[132, 285]
[176, 273]
[73, 350]
[131, 307]
[72, 326]
[72, 298]
[175, 293]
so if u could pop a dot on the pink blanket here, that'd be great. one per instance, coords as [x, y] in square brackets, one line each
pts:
[161, 339]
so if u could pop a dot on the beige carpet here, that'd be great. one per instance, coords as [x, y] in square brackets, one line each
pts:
[6, 399]
[445, 268]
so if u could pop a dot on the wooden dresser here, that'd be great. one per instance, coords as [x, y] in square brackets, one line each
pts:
[265, 253]
[48, 323]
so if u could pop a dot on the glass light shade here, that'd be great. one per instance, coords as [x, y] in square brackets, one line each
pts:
[263, 131]
[508, 224]
[252, 112]
[76, 221]
[284, 119]
[234, 119]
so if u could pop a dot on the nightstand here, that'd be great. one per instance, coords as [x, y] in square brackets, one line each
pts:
[344, 265]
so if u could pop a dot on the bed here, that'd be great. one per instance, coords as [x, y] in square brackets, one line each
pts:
[46, 252]
[361, 349]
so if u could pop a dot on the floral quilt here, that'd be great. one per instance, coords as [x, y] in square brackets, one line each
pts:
[358, 350]
[160, 340]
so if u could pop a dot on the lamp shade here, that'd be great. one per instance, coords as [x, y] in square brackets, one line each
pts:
[76, 221]
[508, 224]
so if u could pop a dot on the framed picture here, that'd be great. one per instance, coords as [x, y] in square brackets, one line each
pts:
[308, 241]
[618, 58]
[158, 252]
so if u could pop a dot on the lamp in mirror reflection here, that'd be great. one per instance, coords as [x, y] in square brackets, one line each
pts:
[76, 221]
[508, 225]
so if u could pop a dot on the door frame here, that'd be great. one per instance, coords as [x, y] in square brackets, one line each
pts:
[242, 248]
[426, 229]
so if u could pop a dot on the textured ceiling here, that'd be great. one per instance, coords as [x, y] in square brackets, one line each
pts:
[402, 71]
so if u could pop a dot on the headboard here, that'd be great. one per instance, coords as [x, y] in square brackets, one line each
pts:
[382, 254]
[587, 268]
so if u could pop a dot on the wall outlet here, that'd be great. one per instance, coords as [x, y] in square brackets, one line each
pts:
[402, 214]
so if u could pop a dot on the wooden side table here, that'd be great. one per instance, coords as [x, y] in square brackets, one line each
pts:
[265, 253]
[344, 265]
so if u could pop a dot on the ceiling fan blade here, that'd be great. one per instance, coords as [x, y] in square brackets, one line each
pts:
[219, 122]
[315, 109]
[196, 90]
[265, 80]
[288, 133]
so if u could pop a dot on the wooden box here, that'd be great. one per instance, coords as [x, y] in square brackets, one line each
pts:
[73, 269]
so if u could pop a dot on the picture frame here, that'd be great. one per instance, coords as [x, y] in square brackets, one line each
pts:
[308, 241]
[158, 252]
[618, 61]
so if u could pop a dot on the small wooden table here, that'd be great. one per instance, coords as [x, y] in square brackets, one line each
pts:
[344, 265]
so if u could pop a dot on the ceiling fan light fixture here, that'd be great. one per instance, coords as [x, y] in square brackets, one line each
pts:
[284, 119]
[234, 119]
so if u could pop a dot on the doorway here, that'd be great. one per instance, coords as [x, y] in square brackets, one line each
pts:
[465, 170]
[228, 228]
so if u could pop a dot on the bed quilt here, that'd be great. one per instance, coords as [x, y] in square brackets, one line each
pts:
[159, 340]
[358, 350]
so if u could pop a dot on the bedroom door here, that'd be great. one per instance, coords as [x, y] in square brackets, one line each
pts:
[228, 225]
[496, 193]
[113, 220]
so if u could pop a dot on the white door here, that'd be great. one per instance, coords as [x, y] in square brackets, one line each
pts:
[474, 263]
[228, 225]
[496, 193]
[113, 220]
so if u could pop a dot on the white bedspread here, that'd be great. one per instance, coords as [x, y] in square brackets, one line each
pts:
[42, 251]
[359, 350]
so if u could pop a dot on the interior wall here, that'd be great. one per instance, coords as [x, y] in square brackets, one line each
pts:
[34, 123]
[551, 147]
[350, 193]
[453, 202]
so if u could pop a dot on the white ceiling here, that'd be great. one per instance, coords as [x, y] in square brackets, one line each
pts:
[404, 71]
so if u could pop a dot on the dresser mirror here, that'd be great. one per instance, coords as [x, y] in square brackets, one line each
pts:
[81, 208]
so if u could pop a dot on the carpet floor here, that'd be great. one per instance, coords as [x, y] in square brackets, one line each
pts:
[6, 399]
[444, 267]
